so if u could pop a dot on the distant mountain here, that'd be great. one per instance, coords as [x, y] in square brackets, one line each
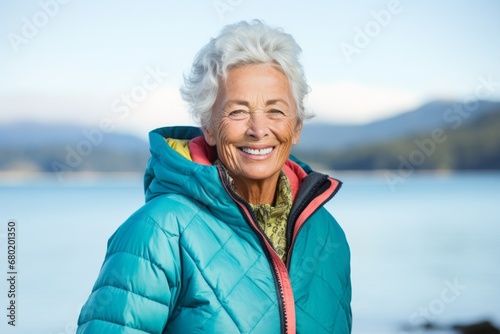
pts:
[66, 147]
[320, 137]
[463, 144]
[29, 134]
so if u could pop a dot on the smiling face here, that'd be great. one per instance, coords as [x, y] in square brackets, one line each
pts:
[254, 124]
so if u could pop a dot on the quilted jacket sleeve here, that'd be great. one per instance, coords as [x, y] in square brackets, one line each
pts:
[136, 287]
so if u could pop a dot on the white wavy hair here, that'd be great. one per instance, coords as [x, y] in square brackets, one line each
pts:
[239, 44]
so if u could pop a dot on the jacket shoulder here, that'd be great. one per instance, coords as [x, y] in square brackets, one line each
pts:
[169, 212]
[141, 274]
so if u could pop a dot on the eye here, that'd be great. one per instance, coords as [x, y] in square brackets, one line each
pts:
[238, 114]
[276, 113]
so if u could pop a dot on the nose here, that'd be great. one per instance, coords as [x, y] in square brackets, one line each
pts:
[258, 126]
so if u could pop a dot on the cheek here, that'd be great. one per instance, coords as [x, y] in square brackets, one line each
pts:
[285, 133]
[227, 134]
[213, 132]
[224, 133]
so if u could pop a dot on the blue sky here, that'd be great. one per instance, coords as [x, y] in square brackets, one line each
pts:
[77, 61]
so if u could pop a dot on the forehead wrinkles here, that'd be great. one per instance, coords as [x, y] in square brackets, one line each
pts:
[256, 84]
[257, 102]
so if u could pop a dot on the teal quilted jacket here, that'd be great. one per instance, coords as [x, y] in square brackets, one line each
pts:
[193, 260]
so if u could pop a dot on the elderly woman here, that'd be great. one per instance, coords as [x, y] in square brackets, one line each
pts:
[233, 237]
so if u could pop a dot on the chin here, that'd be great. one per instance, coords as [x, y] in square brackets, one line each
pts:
[260, 174]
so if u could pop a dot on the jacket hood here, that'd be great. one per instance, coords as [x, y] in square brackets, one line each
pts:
[168, 172]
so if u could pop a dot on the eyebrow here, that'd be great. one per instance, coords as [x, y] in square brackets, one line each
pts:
[247, 104]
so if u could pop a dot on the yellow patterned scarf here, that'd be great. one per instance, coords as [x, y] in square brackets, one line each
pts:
[273, 219]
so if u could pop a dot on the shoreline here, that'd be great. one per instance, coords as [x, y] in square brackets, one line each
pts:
[6, 176]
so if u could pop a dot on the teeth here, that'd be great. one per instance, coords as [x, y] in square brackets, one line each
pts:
[257, 152]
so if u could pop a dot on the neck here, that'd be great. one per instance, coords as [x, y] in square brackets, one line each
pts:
[257, 191]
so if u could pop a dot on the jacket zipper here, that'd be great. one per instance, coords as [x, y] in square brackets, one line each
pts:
[300, 215]
[278, 279]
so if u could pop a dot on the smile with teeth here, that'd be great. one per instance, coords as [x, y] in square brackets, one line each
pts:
[252, 151]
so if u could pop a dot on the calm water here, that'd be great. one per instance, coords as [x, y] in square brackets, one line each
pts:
[427, 248]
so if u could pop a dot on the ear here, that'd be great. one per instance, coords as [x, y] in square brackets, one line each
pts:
[296, 133]
[208, 133]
